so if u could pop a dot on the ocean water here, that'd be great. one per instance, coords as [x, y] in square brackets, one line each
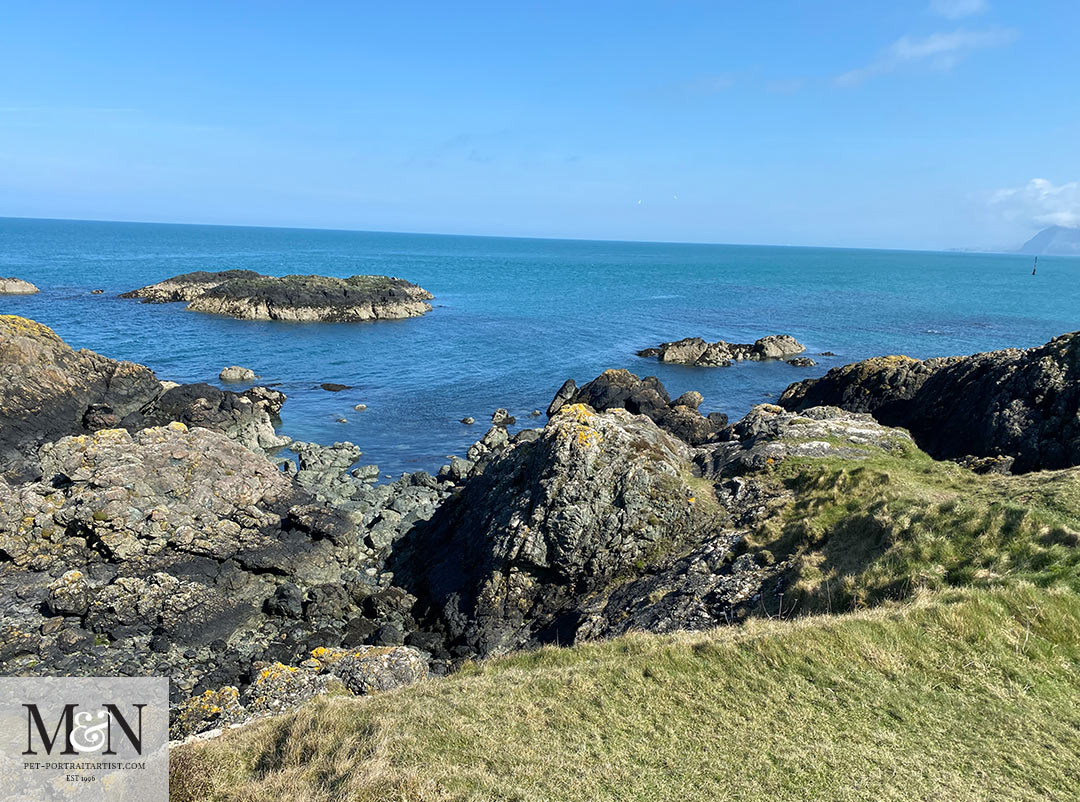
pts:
[514, 318]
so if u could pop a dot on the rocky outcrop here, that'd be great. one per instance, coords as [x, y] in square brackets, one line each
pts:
[620, 389]
[696, 351]
[1019, 403]
[277, 688]
[48, 390]
[178, 552]
[549, 523]
[16, 286]
[251, 296]
[603, 522]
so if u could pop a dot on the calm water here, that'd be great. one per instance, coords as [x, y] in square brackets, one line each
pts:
[513, 318]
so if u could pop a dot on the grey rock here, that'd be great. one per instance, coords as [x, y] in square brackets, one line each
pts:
[235, 373]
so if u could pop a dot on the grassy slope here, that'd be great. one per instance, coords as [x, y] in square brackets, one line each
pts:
[970, 690]
[961, 695]
[860, 533]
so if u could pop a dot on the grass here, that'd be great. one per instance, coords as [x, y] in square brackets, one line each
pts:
[859, 533]
[969, 694]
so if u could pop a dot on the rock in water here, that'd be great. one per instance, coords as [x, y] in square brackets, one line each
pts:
[250, 296]
[802, 362]
[1021, 403]
[236, 373]
[696, 351]
[501, 417]
[16, 286]
[621, 389]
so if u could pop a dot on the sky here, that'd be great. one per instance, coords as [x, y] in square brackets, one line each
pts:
[902, 124]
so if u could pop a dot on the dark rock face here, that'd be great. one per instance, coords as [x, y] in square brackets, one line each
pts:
[1020, 403]
[696, 351]
[48, 390]
[250, 296]
[552, 521]
[620, 389]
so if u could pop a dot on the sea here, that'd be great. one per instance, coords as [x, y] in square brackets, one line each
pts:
[514, 318]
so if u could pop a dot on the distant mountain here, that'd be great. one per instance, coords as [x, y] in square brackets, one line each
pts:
[1055, 240]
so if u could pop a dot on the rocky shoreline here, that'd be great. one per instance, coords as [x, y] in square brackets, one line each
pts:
[696, 351]
[248, 295]
[150, 528]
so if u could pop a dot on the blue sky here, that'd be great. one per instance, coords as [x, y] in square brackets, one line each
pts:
[921, 124]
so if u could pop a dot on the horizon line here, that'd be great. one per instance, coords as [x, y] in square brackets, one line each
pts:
[513, 236]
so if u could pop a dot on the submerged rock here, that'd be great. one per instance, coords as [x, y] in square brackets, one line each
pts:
[696, 351]
[1020, 403]
[16, 286]
[250, 296]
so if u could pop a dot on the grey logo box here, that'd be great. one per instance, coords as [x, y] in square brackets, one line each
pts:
[85, 738]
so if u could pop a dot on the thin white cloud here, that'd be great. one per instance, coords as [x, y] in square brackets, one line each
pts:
[956, 9]
[1039, 203]
[938, 51]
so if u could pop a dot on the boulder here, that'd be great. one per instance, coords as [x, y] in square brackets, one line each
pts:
[235, 373]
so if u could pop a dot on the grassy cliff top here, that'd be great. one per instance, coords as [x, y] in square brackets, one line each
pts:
[960, 695]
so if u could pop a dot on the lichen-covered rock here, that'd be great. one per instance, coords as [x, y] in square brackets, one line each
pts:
[250, 296]
[1020, 403]
[769, 434]
[551, 522]
[696, 351]
[621, 389]
[373, 668]
[165, 550]
[16, 286]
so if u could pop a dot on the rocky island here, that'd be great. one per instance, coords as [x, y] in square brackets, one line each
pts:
[248, 295]
[696, 351]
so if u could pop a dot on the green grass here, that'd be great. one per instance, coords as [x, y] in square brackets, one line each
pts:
[959, 695]
[859, 533]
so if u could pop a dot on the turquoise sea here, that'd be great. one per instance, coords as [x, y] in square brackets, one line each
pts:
[514, 318]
